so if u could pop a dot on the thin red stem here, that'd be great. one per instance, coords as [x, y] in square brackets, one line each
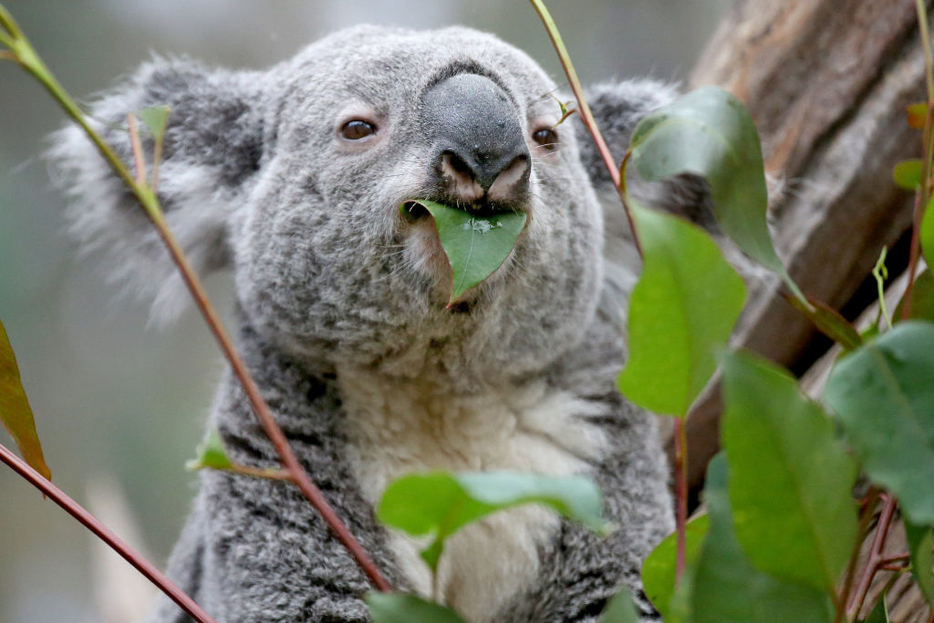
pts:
[895, 558]
[681, 517]
[875, 555]
[138, 158]
[93, 524]
[867, 510]
[584, 111]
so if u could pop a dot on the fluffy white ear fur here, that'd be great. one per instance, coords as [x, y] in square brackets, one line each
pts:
[199, 184]
[104, 217]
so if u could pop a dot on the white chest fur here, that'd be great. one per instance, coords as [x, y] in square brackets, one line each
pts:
[396, 429]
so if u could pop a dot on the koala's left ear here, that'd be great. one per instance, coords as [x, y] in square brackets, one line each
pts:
[618, 107]
[213, 146]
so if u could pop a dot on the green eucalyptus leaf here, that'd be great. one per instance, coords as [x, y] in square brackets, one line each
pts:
[919, 547]
[927, 232]
[709, 132]
[728, 588]
[440, 503]
[621, 609]
[907, 174]
[922, 298]
[403, 608]
[883, 396]
[880, 612]
[829, 322]
[682, 309]
[476, 245]
[658, 570]
[679, 607]
[790, 478]
[156, 119]
[15, 412]
[917, 115]
[211, 453]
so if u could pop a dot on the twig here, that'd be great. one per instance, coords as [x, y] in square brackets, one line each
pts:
[896, 558]
[74, 509]
[246, 470]
[138, 158]
[868, 511]
[681, 470]
[156, 159]
[584, 111]
[875, 555]
[881, 273]
[29, 60]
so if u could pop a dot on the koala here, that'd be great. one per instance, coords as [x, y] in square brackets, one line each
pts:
[293, 177]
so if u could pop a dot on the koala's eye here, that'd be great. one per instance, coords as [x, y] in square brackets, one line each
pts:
[357, 129]
[546, 137]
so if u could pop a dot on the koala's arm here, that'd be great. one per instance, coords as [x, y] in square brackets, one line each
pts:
[255, 549]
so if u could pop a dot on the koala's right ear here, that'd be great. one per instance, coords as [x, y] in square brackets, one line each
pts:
[212, 149]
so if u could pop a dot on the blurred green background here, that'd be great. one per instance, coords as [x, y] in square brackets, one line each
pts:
[115, 399]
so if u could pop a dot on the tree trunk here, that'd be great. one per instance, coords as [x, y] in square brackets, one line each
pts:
[827, 82]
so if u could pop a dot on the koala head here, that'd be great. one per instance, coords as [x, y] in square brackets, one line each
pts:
[295, 176]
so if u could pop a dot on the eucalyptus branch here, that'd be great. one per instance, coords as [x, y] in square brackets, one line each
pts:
[681, 516]
[93, 524]
[255, 472]
[584, 111]
[138, 158]
[27, 57]
[875, 555]
[888, 560]
[868, 510]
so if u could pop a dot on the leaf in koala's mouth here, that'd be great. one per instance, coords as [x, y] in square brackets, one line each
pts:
[476, 245]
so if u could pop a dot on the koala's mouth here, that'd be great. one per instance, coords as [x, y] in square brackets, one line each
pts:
[414, 210]
[475, 241]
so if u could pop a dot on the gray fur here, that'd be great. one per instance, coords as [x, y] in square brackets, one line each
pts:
[327, 280]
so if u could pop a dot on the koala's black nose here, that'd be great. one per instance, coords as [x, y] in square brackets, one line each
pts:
[480, 148]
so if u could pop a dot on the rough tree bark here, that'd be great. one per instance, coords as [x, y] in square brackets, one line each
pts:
[827, 82]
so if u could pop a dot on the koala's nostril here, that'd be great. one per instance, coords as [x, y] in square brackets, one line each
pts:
[451, 162]
[460, 177]
[512, 181]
